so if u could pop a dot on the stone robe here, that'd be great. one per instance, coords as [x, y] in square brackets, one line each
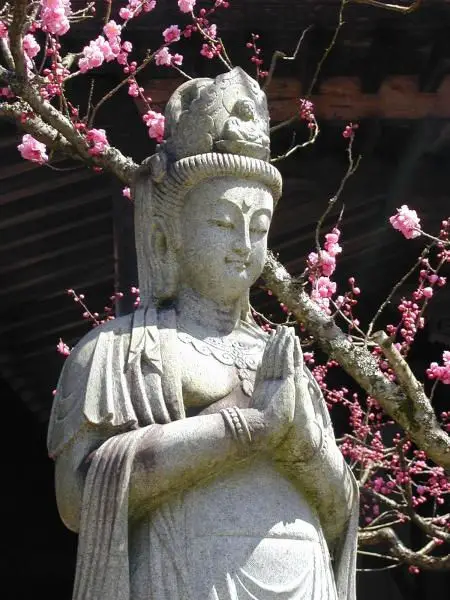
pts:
[247, 535]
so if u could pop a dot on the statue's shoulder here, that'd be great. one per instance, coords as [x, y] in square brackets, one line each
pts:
[112, 332]
[91, 389]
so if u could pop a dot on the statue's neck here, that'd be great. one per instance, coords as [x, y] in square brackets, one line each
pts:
[203, 316]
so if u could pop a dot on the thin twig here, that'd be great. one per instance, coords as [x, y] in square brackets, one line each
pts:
[399, 283]
[314, 132]
[393, 7]
[111, 93]
[319, 66]
[278, 54]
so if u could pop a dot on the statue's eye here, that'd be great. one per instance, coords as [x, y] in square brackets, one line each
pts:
[260, 226]
[259, 230]
[222, 223]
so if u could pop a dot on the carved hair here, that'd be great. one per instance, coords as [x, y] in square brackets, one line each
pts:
[159, 195]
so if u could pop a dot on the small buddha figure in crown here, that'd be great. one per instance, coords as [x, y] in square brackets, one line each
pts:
[194, 452]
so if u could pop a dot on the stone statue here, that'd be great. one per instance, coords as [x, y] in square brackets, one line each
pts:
[194, 452]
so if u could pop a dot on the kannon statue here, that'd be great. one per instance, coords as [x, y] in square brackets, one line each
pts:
[194, 453]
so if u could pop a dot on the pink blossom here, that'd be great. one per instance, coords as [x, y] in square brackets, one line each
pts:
[211, 31]
[171, 34]
[177, 59]
[441, 372]
[325, 287]
[427, 292]
[127, 46]
[331, 244]
[313, 259]
[122, 58]
[186, 5]
[54, 16]
[106, 48]
[135, 7]
[63, 348]
[155, 123]
[3, 30]
[126, 192]
[327, 263]
[134, 89]
[407, 222]
[324, 303]
[31, 149]
[208, 51]
[149, 5]
[97, 141]
[97, 52]
[30, 45]
[112, 30]
[92, 57]
[6, 92]
[163, 57]
[125, 14]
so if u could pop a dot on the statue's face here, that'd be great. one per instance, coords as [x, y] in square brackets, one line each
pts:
[224, 225]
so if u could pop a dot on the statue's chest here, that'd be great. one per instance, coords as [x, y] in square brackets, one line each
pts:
[212, 371]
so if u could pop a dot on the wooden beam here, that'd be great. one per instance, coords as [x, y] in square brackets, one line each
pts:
[341, 98]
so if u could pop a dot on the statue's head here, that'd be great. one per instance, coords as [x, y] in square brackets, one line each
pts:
[204, 201]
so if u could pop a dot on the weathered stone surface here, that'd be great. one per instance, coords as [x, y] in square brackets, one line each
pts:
[194, 452]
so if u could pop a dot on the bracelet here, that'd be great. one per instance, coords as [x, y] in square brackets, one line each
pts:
[237, 424]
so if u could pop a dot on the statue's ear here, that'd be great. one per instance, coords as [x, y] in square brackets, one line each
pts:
[163, 246]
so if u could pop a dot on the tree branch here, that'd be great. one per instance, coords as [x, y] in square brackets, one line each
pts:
[398, 550]
[393, 7]
[408, 405]
[111, 159]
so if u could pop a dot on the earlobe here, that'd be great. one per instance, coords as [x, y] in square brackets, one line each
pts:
[165, 271]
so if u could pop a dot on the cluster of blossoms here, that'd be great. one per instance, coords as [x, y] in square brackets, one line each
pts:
[102, 49]
[163, 58]
[155, 123]
[186, 6]
[135, 7]
[307, 112]
[441, 372]
[55, 78]
[320, 266]
[97, 141]
[256, 57]
[54, 16]
[33, 150]
[350, 130]
[406, 221]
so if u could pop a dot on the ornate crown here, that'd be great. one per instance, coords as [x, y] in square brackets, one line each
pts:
[214, 127]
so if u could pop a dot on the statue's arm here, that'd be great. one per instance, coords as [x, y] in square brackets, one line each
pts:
[169, 458]
[327, 482]
[70, 471]
[176, 456]
[321, 471]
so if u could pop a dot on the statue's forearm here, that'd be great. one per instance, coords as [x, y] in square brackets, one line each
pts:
[326, 481]
[176, 456]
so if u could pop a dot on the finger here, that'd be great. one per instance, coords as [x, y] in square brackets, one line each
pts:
[298, 355]
[261, 373]
[280, 353]
[271, 354]
[289, 359]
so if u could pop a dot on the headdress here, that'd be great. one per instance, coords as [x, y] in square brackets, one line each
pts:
[213, 128]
